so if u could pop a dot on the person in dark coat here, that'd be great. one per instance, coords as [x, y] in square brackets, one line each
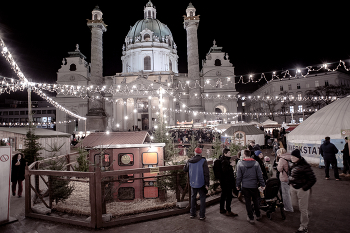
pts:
[198, 170]
[258, 155]
[328, 151]
[227, 183]
[346, 158]
[301, 179]
[17, 173]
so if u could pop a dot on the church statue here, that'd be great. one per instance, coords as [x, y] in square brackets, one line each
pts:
[123, 47]
[77, 47]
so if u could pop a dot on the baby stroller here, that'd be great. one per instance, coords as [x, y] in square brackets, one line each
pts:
[271, 201]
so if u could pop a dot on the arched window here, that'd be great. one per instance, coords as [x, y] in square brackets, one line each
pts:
[73, 67]
[146, 37]
[217, 62]
[153, 14]
[170, 65]
[95, 16]
[169, 42]
[191, 13]
[147, 63]
[149, 14]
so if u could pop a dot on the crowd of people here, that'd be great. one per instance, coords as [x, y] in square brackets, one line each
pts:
[246, 176]
[206, 135]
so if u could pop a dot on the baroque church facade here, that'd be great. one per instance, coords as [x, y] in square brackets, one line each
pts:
[150, 83]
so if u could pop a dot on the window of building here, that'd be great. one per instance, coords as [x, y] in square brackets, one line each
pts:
[37, 112]
[126, 159]
[146, 37]
[301, 120]
[22, 112]
[95, 16]
[43, 112]
[243, 103]
[289, 86]
[300, 108]
[16, 113]
[150, 158]
[149, 14]
[191, 13]
[298, 85]
[73, 67]
[281, 88]
[11, 113]
[217, 62]
[126, 193]
[299, 96]
[291, 109]
[147, 63]
[326, 83]
[170, 65]
[317, 84]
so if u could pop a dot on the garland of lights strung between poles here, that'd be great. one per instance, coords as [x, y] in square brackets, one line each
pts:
[81, 91]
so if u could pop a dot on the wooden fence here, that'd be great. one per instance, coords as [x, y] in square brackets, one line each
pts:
[96, 182]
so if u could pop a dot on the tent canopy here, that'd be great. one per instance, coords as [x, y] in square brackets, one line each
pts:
[328, 121]
[248, 129]
[269, 122]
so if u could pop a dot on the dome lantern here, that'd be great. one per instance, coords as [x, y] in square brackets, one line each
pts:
[150, 11]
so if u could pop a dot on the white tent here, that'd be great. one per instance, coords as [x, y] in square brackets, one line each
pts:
[250, 133]
[269, 122]
[328, 121]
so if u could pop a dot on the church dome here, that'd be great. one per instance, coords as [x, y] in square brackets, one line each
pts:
[159, 29]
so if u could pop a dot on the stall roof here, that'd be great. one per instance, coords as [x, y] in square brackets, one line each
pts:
[269, 122]
[115, 138]
[41, 133]
[248, 129]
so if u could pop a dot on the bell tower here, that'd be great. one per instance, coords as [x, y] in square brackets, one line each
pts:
[96, 116]
[191, 22]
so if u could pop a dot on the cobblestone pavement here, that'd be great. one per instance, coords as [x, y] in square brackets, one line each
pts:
[329, 212]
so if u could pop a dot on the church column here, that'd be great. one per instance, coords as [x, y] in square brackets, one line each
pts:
[172, 111]
[191, 22]
[125, 116]
[150, 113]
[96, 117]
[135, 112]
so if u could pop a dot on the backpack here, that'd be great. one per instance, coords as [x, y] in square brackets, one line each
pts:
[217, 168]
[289, 162]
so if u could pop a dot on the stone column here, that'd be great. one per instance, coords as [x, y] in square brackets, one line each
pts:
[149, 113]
[135, 112]
[191, 24]
[125, 114]
[96, 116]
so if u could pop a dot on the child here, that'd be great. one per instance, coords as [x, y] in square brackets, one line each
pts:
[268, 167]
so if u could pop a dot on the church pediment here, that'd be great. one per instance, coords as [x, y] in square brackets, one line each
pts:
[72, 79]
[218, 73]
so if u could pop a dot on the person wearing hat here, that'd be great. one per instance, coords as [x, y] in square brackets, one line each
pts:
[301, 179]
[346, 159]
[328, 151]
[268, 167]
[198, 170]
[249, 175]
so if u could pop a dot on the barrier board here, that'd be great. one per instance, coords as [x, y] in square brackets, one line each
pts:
[5, 181]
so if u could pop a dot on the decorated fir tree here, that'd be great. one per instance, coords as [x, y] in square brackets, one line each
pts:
[217, 151]
[32, 147]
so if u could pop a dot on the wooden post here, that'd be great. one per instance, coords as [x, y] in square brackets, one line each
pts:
[68, 162]
[28, 197]
[92, 187]
[177, 187]
[98, 197]
[50, 191]
[36, 178]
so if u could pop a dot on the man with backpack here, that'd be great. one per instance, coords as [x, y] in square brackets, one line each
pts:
[223, 171]
[248, 176]
[301, 179]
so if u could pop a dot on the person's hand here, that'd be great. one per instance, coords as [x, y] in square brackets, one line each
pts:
[262, 188]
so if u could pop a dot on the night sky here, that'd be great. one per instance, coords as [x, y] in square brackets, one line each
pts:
[259, 37]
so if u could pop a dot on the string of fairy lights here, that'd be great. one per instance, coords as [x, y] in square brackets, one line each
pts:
[9, 85]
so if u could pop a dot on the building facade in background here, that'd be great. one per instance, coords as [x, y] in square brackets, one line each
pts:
[150, 83]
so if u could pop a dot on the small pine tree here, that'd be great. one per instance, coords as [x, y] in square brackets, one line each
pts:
[217, 146]
[32, 147]
[83, 162]
[193, 146]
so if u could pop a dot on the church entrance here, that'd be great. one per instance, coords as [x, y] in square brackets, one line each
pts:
[145, 121]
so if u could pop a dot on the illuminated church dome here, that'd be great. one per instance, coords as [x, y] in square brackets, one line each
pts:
[149, 45]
